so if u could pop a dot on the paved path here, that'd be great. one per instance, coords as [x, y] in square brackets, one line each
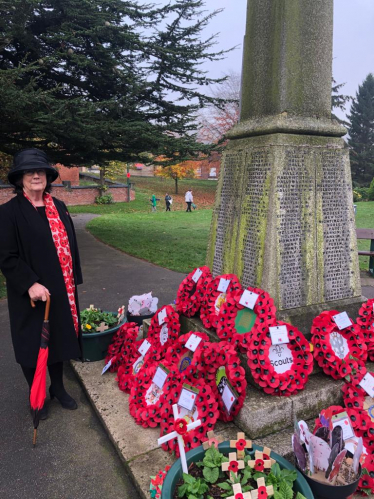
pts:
[74, 458]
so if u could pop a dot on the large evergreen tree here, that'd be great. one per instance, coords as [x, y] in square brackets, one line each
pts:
[361, 133]
[93, 81]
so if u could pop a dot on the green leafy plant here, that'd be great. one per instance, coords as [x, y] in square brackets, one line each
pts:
[92, 317]
[104, 199]
[193, 488]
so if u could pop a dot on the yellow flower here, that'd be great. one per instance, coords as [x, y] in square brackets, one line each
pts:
[88, 326]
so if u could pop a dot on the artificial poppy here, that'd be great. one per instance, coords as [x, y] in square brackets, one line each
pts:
[234, 466]
[190, 292]
[240, 444]
[163, 335]
[259, 465]
[262, 493]
[180, 426]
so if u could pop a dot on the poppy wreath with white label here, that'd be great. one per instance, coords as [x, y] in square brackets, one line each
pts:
[338, 352]
[145, 400]
[215, 299]
[221, 364]
[280, 369]
[188, 363]
[365, 319]
[190, 293]
[206, 410]
[161, 336]
[117, 350]
[357, 399]
[236, 322]
[132, 365]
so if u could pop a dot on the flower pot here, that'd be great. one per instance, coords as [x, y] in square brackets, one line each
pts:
[194, 455]
[95, 345]
[138, 319]
[325, 491]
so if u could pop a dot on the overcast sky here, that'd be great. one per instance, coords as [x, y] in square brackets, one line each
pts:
[353, 39]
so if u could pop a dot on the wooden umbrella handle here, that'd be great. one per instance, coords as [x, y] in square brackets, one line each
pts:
[47, 305]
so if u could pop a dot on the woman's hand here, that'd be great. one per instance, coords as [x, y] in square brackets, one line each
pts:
[38, 292]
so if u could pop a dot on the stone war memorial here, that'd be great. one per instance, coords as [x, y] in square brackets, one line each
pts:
[284, 218]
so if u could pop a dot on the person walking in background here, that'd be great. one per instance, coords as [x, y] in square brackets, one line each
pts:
[39, 257]
[168, 202]
[189, 199]
[154, 202]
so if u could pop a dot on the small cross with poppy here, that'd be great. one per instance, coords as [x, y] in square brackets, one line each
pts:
[262, 492]
[233, 465]
[264, 455]
[238, 494]
[213, 439]
[240, 444]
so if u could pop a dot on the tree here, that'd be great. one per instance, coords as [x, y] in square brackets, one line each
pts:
[185, 169]
[361, 133]
[218, 118]
[93, 81]
[339, 101]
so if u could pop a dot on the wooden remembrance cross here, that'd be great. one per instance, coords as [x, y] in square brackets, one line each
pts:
[233, 459]
[261, 485]
[237, 488]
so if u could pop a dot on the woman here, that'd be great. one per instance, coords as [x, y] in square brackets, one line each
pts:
[168, 202]
[39, 257]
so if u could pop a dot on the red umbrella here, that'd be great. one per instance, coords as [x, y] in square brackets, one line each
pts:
[38, 388]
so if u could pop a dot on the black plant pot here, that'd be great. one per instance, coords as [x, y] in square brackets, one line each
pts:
[325, 491]
[138, 319]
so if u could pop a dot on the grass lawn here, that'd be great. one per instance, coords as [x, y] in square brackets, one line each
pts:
[365, 220]
[175, 240]
[2, 286]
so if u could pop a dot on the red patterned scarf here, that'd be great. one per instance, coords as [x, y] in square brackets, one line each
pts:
[60, 238]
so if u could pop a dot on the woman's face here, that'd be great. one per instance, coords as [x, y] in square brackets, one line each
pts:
[34, 181]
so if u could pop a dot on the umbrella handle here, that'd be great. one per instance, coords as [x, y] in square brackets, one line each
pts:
[47, 305]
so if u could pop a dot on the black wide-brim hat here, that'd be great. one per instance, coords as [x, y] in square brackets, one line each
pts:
[30, 159]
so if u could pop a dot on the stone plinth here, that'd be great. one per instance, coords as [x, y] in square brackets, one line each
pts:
[284, 219]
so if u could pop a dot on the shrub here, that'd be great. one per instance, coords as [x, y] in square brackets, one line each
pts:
[371, 191]
[360, 194]
[104, 199]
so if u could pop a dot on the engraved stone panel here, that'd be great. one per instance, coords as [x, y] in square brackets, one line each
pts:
[255, 211]
[228, 211]
[295, 193]
[337, 253]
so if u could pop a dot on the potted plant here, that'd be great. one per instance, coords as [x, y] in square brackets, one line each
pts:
[98, 328]
[207, 479]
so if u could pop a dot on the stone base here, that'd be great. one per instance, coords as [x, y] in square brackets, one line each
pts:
[284, 219]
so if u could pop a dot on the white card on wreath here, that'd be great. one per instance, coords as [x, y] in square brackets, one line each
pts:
[160, 376]
[187, 399]
[279, 335]
[197, 274]
[144, 347]
[193, 342]
[367, 383]
[248, 299]
[223, 285]
[107, 366]
[162, 316]
[228, 398]
[342, 320]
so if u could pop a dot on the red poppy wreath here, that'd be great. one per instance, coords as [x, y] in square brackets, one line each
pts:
[132, 365]
[357, 398]
[190, 291]
[185, 354]
[163, 331]
[280, 368]
[338, 352]
[225, 376]
[117, 350]
[205, 409]
[216, 292]
[145, 402]
[242, 312]
[365, 319]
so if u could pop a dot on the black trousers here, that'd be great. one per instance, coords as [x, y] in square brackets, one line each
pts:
[167, 206]
[55, 373]
[188, 205]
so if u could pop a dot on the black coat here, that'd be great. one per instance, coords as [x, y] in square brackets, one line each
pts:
[28, 255]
